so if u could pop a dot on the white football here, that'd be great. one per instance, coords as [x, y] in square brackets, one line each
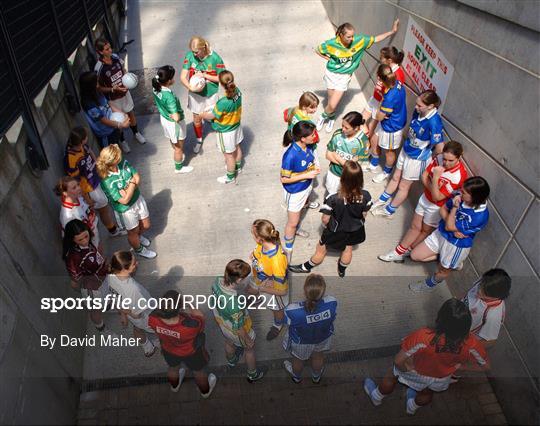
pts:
[130, 80]
[197, 82]
[118, 116]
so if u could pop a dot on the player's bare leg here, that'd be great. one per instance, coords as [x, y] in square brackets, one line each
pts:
[230, 162]
[316, 259]
[96, 317]
[320, 254]
[424, 233]
[317, 362]
[442, 273]
[133, 238]
[422, 253]
[293, 218]
[148, 348]
[388, 382]
[298, 366]
[106, 217]
[238, 159]
[144, 225]
[178, 155]
[133, 126]
[334, 97]
[413, 232]
[201, 379]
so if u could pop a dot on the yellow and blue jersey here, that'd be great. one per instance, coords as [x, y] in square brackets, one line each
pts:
[271, 265]
[395, 107]
[295, 161]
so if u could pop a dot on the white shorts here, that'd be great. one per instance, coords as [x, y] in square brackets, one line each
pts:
[138, 211]
[100, 293]
[124, 104]
[389, 140]
[373, 106]
[142, 322]
[198, 104]
[450, 256]
[295, 202]
[411, 169]
[418, 382]
[429, 211]
[303, 351]
[173, 131]
[335, 81]
[332, 183]
[99, 198]
[227, 141]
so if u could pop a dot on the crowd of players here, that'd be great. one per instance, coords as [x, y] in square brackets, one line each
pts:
[450, 212]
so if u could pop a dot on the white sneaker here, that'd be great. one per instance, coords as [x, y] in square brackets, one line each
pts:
[312, 205]
[181, 376]
[410, 406]
[380, 178]
[422, 287]
[381, 211]
[184, 169]
[147, 253]
[380, 203]
[197, 147]
[140, 138]
[288, 366]
[301, 233]
[225, 179]
[125, 147]
[391, 256]
[212, 380]
[374, 169]
[330, 125]
[118, 232]
[148, 348]
[145, 242]
[320, 123]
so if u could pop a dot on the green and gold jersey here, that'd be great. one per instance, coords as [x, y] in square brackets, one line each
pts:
[294, 114]
[228, 112]
[347, 148]
[167, 103]
[117, 181]
[230, 311]
[212, 64]
[345, 60]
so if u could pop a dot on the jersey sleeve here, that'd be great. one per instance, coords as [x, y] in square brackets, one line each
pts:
[323, 49]
[186, 62]
[367, 200]
[152, 322]
[430, 166]
[73, 270]
[131, 169]
[476, 352]
[414, 342]
[332, 144]
[436, 132]
[287, 164]
[400, 75]
[445, 187]
[218, 110]
[95, 113]
[469, 227]
[237, 320]
[220, 66]
[111, 190]
[279, 271]
[72, 165]
[329, 204]
[170, 103]
[491, 328]
[368, 41]
[387, 104]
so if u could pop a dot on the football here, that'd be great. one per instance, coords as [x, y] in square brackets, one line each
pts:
[130, 80]
[118, 116]
[197, 83]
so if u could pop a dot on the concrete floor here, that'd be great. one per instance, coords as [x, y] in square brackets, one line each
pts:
[198, 225]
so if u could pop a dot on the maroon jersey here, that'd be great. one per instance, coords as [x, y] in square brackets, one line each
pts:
[178, 339]
[86, 266]
[111, 75]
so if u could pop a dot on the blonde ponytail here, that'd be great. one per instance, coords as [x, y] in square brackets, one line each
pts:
[109, 156]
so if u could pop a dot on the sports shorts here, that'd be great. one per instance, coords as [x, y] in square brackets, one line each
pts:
[419, 382]
[389, 140]
[142, 322]
[373, 106]
[173, 131]
[137, 212]
[294, 202]
[99, 197]
[339, 240]
[198, 104]
[195, 362]
[429, 211]
[332, 182]
[304, 351]
[124, 104]
[450, 256]
[411, 169]
[335, 81]
[228, 141]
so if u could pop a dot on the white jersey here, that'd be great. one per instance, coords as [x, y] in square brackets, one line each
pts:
[79, 210]
[487, 317]
[132, 290]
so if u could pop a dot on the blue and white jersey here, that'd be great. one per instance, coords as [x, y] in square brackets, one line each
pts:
[395, 107]
[295, 161]
[424, 134]
[469, 222]
[310, 328]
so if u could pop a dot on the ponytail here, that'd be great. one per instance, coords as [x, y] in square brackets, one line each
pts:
[61, 185]
[392, 53]
[388, 78]
[108, 156]
[300, 130]
[76, 136]
[120, 261]
[226, 79]
[265, 230]
[314, 288]
[164, 74]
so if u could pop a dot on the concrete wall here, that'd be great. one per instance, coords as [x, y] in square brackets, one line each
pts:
[492, 108]
[37, 385]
